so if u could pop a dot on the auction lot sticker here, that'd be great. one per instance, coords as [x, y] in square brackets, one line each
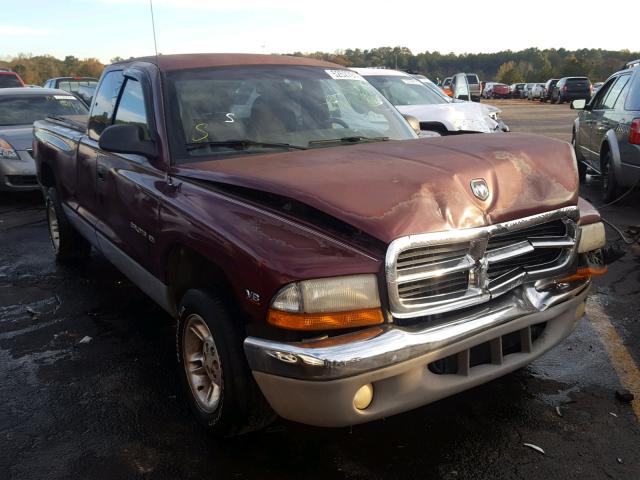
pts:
[344, 75]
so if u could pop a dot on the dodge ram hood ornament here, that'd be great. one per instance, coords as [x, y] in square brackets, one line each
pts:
[480, 188]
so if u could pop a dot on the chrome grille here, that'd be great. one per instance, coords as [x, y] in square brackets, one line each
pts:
[440, 272]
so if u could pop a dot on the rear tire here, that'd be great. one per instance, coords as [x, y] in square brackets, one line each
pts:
[610, 184]
[68, 245]
[216, 379]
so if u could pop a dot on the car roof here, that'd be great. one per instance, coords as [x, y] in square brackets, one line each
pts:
[77, 77]
[203, 60]
[372, 72]
[34, 91]
[9, 72]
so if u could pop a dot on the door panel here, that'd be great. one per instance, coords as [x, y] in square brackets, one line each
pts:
[125, 184]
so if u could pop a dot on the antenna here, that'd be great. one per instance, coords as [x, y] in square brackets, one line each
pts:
[153, 26]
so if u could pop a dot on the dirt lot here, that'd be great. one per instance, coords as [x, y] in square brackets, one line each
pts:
[111, 408]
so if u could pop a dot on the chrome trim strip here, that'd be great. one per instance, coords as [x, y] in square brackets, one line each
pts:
[437, 269]
[510, 251]
[393, 344]
[480, 288]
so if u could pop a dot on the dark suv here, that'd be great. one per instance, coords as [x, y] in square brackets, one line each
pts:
[548, 89]
[606, 134]
[571, 88]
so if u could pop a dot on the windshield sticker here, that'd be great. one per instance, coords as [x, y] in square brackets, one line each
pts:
[344, 75]
[202, 134]
[411, 81]
[64, 97]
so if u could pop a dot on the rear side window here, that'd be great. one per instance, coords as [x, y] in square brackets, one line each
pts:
[633, 99]
[610, 100]
[9, 81]
[131, 108]
[104, 103]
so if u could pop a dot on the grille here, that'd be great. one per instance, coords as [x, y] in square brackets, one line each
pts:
[435, 273]
[539, 257]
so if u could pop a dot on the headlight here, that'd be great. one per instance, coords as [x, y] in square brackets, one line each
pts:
[592, 237]
[327, 303]
[7, 151]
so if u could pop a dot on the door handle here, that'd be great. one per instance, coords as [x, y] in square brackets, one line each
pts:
[101, 173]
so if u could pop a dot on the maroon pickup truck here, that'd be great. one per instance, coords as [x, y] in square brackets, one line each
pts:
[322, 261]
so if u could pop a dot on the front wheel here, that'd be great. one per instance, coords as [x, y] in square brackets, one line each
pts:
[609, 182]
[216, 378]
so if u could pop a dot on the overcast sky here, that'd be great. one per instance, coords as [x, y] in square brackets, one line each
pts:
[109, 28]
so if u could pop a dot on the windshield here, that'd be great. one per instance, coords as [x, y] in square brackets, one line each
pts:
[8, 81]
[224, 111]
[26, 109]
[74, 85]
[401, 90]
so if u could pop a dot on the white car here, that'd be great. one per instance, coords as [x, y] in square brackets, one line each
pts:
[435, 112]
[536, 91]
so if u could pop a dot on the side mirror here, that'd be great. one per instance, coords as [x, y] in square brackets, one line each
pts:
[414, 122]
[127, 139]
[578, 104]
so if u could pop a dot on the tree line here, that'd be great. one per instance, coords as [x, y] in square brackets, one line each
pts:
[37, 69]
[530, 65]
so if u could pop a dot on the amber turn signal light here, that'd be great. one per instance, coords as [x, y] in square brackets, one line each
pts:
[325, 321]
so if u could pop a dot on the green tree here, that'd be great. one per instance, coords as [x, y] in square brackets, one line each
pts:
[509, 73]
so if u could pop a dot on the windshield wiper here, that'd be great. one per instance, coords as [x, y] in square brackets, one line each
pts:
[242, 144]
[352, 139]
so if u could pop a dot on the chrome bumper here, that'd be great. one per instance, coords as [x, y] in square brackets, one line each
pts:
[381, 347]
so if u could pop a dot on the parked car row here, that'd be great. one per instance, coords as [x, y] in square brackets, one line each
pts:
[323, 262]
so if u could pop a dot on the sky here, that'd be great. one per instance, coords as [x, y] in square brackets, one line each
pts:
[109, 28]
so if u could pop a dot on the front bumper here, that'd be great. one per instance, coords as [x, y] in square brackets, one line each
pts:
[19, 174]
[316, 384]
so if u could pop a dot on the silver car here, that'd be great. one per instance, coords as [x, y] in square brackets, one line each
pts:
[19, 108]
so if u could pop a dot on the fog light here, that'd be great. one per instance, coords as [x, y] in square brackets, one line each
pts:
[363, 397]
[580, 311]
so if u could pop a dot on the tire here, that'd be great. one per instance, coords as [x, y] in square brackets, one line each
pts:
[216, 378]
[68, 245]
[582, 168]
[610, 184]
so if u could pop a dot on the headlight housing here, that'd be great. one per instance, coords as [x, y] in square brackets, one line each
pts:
[327, 304]
[7, 151]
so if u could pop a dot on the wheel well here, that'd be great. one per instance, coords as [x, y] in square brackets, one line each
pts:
[47, 177]
[188, 269]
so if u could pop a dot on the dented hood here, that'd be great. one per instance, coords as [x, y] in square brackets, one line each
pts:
[396, 188]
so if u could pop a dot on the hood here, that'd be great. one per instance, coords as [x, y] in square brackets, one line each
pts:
[396, 188]
[20, 137]
[455, 116]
